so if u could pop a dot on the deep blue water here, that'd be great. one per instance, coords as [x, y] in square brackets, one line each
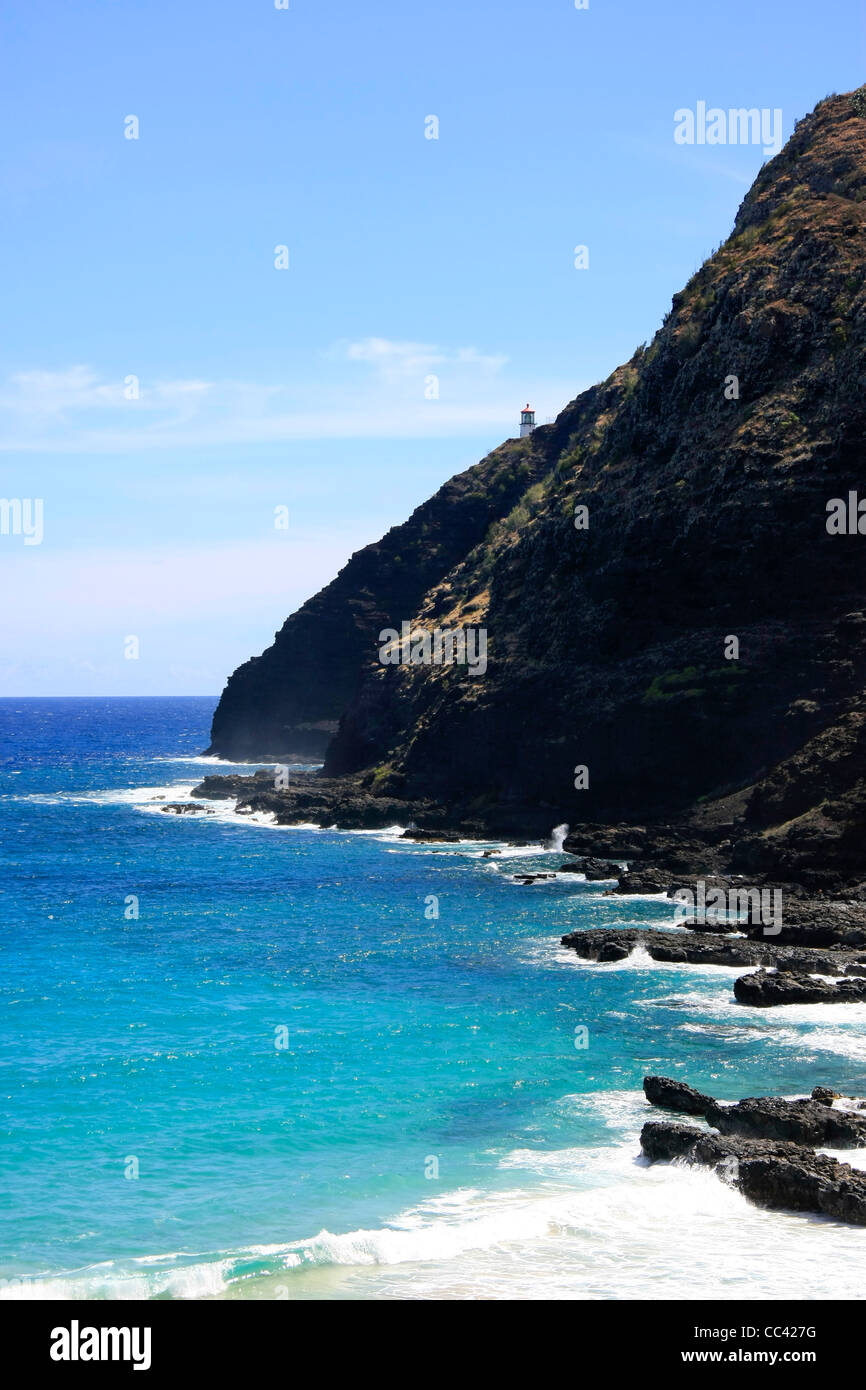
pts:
[430, 1129]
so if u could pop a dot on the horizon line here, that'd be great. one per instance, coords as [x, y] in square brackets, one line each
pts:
[111, 697]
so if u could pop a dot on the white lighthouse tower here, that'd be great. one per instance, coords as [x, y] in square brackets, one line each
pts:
[527, 421]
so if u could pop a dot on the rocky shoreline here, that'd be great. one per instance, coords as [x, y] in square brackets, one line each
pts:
[820, 930]
[608, 944]
[716, 774]
[766, 1147]
[355, 802]
[817, 938]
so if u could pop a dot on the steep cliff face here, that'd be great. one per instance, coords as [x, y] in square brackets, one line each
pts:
[706, 465]
[288, 701]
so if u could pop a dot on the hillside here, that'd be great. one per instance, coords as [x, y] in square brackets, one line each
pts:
[707, 518]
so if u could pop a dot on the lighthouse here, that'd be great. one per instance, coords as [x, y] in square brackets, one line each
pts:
[527, 420]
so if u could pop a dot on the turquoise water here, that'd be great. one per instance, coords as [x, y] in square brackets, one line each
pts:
[429, 1128]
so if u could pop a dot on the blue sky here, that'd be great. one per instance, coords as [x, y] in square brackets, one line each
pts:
[408, 257]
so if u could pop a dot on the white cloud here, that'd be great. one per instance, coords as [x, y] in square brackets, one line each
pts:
[52, 393]
[382, 351]
[79, 388]
[372, 388]
[411, 359]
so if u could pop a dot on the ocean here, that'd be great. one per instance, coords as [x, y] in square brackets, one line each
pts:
[245, 1061]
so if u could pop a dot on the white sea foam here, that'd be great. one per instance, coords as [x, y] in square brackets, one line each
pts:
[855, 1158]
[646, 897]
[211, 760]
[153, 800]
[594, 1224]
[505, 850]
[224, 810]
[114, 796]
[839, 1029]
[114, 1281]
[664, 924]
[638, 959]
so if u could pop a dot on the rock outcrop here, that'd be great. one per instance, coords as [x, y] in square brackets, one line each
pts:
[800, 1121]
[675, 1095]
[765, 1146]
[764, 988]
[593, 870]
[705, 948]
[774, 1174]
[809, 922]
[643, 881]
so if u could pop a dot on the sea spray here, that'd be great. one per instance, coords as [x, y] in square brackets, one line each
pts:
[557, 838]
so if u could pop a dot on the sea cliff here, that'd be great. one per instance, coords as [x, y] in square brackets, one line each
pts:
[687, 655]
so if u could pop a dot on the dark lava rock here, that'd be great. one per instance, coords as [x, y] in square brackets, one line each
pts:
[619, 843]
[813, 922]
[612, 950]
[709, 881]
[644, 881]
[723, 927]
[526, 879]
[662, 1141]
[185, 808]
[771, 1173]
[345, 803]
[594, 870]
[808, 1122]
[682, 850]
[763, 988]
[447, 836]
[802, 1181]
[701, 948]
[825, 1095]
[675, 1095]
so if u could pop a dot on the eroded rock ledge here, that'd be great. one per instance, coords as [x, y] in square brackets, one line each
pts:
[765, 988]
[605, 944]
[765, 1146]
[351, 803]
[791, 978]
